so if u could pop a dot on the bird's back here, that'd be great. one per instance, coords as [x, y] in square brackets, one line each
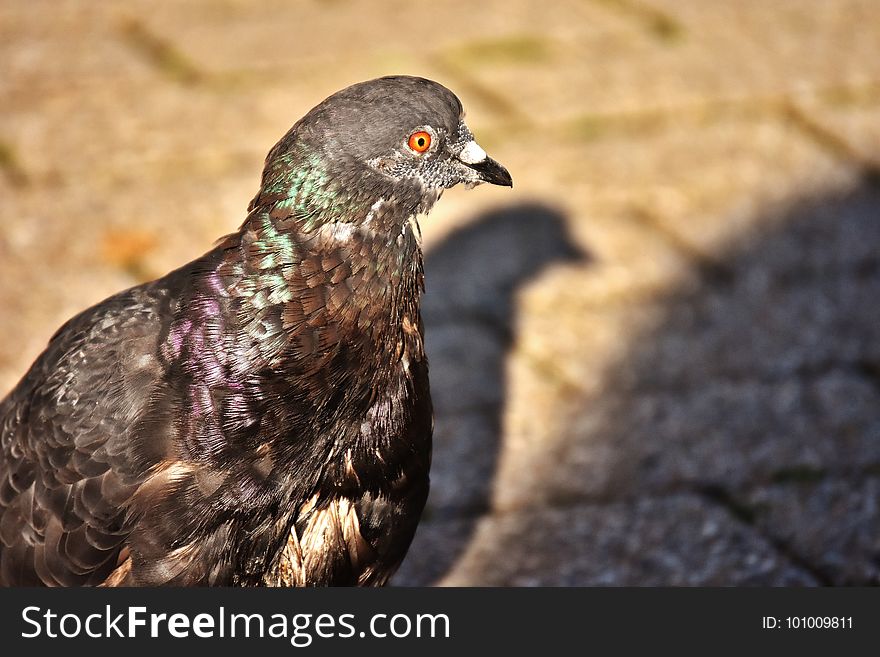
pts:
[71, 457]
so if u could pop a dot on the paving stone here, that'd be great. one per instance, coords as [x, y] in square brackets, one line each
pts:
[852, 120]
[832, 523]
[715, 53]
[773, 370]
[438, 544]
[796, 296]
[723, 385]
[718, 434]
[732, 433]
[800, 300]
[278, 34]
[466, 452]
[148, 130]
[788, 45]
[703, 195]
[467, 366]
[806, 330]
[49, 43]
[649, 208]
[679, 541]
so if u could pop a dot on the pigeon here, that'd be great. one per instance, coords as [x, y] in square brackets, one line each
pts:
[260, 416]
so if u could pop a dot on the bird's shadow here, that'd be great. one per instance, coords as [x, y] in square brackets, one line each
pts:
[734, 440]
[473, 277]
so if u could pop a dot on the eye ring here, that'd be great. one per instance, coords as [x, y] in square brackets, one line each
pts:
[419, 141]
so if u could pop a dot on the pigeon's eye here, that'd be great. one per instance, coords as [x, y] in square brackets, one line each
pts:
[419, 141]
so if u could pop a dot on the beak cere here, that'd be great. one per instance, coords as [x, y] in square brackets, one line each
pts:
[472, 153]
[488, 169]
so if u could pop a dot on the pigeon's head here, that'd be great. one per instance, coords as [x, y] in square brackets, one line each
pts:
[405, 129]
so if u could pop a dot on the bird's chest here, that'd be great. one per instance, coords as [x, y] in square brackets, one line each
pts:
[391, 439]
[346, 406]
[360, 517]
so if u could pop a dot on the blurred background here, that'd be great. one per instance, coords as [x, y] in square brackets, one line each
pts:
[655, 361]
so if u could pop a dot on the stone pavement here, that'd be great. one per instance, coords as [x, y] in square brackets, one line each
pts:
[656, 361]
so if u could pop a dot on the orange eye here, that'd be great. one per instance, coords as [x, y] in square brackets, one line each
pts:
[419, 141]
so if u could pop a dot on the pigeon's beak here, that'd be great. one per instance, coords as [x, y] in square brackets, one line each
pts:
[487, 169]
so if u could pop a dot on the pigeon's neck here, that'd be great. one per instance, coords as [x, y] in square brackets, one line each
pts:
[359, 277]
[299, 192]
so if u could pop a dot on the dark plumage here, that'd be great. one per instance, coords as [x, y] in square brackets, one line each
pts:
[260, 416]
